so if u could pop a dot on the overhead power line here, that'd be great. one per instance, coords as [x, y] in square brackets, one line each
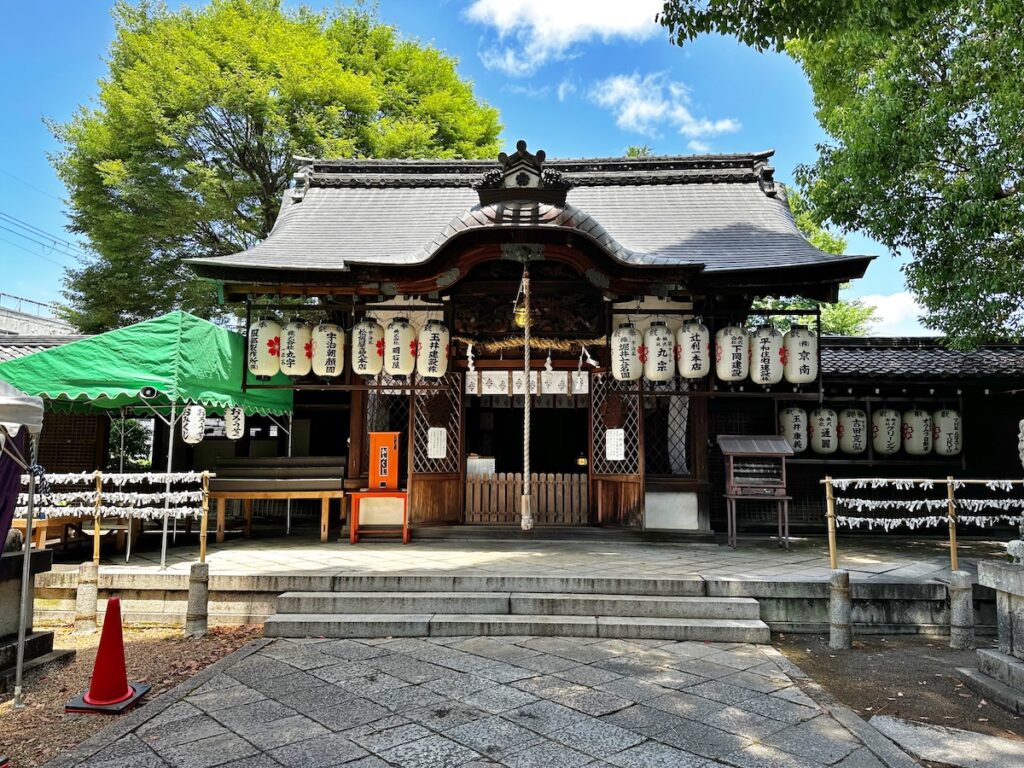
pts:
[33, 253]
[30, 185]
[38, 232]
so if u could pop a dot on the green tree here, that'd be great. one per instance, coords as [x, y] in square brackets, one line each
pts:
[190, 143]
[138, 445]
[923, 104]
[842, 318]
[638, 150]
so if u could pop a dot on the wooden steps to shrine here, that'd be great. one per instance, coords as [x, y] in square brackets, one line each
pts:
[405, 607]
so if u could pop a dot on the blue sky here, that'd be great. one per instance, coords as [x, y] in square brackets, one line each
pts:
[572, 77]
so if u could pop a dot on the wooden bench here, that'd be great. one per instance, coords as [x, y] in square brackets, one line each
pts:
[247, 497]
[356, 497]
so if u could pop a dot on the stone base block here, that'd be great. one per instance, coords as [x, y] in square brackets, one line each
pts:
[993, 690]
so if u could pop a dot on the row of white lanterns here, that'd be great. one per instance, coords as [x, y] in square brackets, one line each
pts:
[193, 423]
[766, 355]
[296, 349]
[917, 431]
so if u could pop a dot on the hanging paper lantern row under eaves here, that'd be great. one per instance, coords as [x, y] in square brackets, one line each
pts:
[298, 349]
[766, 356]
[916, 431]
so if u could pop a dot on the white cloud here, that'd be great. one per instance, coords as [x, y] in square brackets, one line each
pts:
[527, 90]
[534, 32]
[897, 315]
[644, 104]
[565, 89]
[698, 146]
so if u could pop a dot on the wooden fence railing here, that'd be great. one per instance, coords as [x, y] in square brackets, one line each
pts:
[558, 499]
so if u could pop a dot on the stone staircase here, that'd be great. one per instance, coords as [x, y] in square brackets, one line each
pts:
[422, 606]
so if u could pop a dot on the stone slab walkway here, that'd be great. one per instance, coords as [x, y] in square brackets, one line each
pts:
[951, 746]
[475, 701]
[891, 558]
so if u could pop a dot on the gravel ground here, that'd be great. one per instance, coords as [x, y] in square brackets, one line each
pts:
[159, 656]
[906, 676]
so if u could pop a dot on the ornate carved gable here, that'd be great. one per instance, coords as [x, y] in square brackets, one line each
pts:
[521, 176]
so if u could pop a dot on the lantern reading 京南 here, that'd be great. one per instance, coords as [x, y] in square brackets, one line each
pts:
[766, 355]
[800, 355]
[822, 428]
[367, 348]
[328, 350]
[947, 432]
[659, 345]
[432, 355]
[885, 431]
[694, 343]
[853, 431]
[793, 427]
[626, 344]
[234, 422]
[732, 353]
[264, 353]
[193, 424]
[917, 432]
[400, 347]
[296, 348]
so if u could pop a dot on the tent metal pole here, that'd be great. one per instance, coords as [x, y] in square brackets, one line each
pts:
[27, 591]
[131, 523]
[288, 504]
[167, 489]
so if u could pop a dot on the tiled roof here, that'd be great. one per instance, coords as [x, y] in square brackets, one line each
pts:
[917, 358]
[12, 347]
[722, 212]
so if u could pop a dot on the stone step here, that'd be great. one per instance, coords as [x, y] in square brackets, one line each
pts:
[446, 625]
[434, 582]
[528, 603]
[556, 604]
[1008, 670]
[393, 602]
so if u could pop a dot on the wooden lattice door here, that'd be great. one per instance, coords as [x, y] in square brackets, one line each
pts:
[435, 481]
[617, 475]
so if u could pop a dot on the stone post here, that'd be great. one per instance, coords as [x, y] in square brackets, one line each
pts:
[961, 611]
[85, 598]
[197, 611]
[840, 609]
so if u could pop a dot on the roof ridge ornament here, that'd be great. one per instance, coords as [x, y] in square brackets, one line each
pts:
[522, 176]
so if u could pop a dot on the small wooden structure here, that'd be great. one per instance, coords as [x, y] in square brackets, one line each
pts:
[755, 470]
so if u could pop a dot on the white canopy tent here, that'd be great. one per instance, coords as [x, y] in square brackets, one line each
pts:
[20, 411]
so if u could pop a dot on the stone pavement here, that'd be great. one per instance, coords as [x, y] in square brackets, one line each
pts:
[475, 701]
[888, 558]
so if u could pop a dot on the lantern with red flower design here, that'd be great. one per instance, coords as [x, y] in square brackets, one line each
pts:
[328, 349]
[917, 432]
[853, 431]
[732, 353]
[264, 352]
[659, 342]
[885, 431]
[766, 355]
[400, 347]
[947, 432]
[627, 364]
[432, 351]
[367, 348]
[296, 348]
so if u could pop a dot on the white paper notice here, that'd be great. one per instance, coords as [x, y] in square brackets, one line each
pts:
[437, 443]
[615, 444]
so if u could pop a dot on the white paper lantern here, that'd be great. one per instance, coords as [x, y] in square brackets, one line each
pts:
[853, 430]
[296, 348]
[766, 355]
[433, 350]
[626, 342]
[234, 422]
[822, 430]
[917, 432]
[328, 350]
[793, 427]
[885, 431]
[732, 353]
[800, 355]
[264, 353]
[193, 424]
[947, 432]
[658, 352]
[694, 343]
[400, 347]
[367, 348]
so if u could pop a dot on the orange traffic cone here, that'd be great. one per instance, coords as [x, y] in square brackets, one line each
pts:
[109, 692]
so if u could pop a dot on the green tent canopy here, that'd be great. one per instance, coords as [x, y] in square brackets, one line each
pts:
[184, 358]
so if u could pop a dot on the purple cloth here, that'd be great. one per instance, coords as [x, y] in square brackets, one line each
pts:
[10, 484]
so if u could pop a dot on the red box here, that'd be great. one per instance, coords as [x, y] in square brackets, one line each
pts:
[384, 460]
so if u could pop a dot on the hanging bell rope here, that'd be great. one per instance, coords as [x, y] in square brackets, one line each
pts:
[516, 342]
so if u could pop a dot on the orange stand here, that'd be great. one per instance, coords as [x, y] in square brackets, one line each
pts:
[353, 522]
